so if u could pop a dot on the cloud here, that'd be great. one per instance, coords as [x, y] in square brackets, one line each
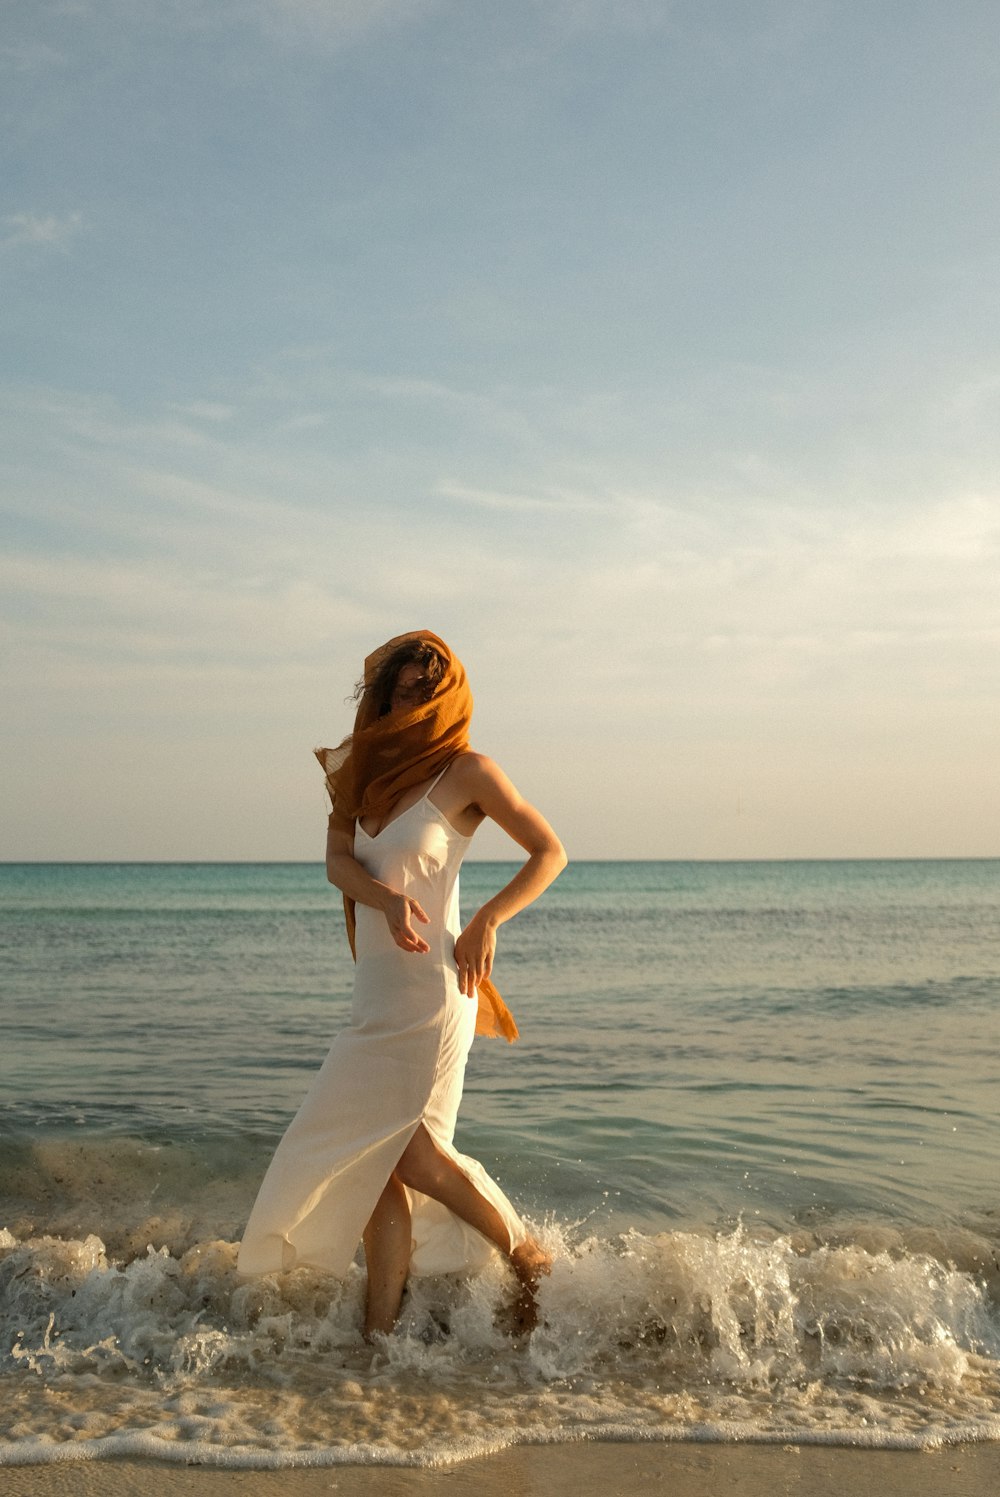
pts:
[490, 408]
[334, 23]
[965, 528]
[548, 501]
[204, 410]
[200, 529]
[637, 17]
[31, 57]
[181, 580]
[41, 230]
[168, 616]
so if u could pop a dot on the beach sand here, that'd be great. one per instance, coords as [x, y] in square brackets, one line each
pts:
[581, 1470]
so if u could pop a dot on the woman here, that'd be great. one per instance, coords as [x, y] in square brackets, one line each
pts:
[369, 1155]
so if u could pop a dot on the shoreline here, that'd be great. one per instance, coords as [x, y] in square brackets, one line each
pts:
[581, 1469]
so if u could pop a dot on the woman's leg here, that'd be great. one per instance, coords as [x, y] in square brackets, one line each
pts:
[422, 1166]
[387, 1254]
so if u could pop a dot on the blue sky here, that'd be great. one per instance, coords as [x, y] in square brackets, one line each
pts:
[647, 351]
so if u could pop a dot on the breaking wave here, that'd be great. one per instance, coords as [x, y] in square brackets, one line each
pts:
[874, 1336]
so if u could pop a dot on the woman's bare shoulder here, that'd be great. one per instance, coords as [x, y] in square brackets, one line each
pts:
[471, 769]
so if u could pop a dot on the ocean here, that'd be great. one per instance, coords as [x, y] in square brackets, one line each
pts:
[754, 1112]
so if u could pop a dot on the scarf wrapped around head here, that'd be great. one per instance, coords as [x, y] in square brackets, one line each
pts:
[386, 756]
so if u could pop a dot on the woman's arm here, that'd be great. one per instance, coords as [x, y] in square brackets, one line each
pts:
[491, 794]
[344, 870]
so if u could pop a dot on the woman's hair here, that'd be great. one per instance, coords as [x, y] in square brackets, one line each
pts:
[380, 687]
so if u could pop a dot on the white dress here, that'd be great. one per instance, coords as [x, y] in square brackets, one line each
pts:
[400, 1063]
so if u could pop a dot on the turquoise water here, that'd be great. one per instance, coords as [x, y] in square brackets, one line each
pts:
[769, 1089]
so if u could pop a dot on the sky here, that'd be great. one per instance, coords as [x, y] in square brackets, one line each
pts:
[648, 352]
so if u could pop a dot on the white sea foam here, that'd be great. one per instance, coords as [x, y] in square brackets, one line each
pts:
[674, 1336]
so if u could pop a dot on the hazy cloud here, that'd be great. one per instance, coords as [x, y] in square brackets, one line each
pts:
[516, 503]
[41, 230]
[31, 57]
[335, 23]
[204, 410]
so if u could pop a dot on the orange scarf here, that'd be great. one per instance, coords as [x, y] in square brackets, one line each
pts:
[385, 756]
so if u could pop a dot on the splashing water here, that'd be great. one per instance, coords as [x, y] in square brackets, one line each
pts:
[676, 1335]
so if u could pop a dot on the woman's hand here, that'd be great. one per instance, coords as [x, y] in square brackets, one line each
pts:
[474, 952]
[399, 910]
[347, 874]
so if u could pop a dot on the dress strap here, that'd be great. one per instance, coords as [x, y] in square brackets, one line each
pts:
[439, 776]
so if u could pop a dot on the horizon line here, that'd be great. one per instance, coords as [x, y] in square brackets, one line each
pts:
[573, 862]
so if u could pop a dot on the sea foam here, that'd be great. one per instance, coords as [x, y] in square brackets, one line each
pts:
[864, 1338]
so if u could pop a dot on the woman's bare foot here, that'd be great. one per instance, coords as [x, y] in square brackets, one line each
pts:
[530, 1263]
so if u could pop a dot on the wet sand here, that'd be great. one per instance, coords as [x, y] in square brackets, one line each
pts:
[582, 1470]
